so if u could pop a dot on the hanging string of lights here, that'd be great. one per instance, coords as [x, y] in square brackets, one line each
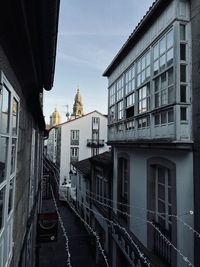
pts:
[63, 230]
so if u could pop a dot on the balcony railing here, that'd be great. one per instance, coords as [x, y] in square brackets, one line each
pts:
[161, 248]
[95, 143]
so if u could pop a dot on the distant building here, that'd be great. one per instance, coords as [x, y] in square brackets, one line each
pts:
[153, 128]
[28, 34]
[81, 138]
[51, 142]
[78, 106]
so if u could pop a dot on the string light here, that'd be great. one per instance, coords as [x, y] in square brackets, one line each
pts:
[150, 222]
[63, 229]
[86, 224]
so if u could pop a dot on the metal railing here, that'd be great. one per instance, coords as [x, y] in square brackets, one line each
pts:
[95, 143]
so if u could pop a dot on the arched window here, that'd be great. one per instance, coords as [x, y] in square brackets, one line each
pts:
[161, 199]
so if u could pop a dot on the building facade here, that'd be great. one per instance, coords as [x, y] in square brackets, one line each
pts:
[24, 73]
[152, 133]
[81, 138]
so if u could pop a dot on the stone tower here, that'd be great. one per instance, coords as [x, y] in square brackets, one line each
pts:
[55, 118]
[78, 105]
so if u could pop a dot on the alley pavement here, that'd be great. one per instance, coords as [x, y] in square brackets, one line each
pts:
[54, 254]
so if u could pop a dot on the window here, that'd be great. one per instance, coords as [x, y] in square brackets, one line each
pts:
[163, 53]
[183, 73]
[164, 89]
[183, 52]
[95, 151]
[144, 122]
[183, 93]
[120, 110]
[9, 116]
[130, 80]
[183, 114]
[164, 117]
[182, 32]
[130, 101]
[95, 120]
[120, 88]
[143, 69]
[123, 179]
[112, 95]
[74, 153]
[130, 125]
[112, 114]
[161, 198]
[74, 137]
[144, 99]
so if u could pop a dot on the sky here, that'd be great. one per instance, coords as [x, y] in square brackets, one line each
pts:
[90, 33]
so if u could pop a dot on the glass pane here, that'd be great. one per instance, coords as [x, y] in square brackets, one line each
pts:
[156, 84]
[170, 39]
[155, 67]
[148, 59]
[170, 76]
[182, 32]
[161, 175]
[155, 52]
[10, 203]
[161, 191]
[164, 97]
[14, 116]
[143, 76]
[171, 96]
[183, 52]
[13, 155]
[164, 80]
[147, 72]
[3, 157]
[169, 195]
[183, 93]
[183, 113]
[157, 100]
[170, 57]
[161, 207]
[183, 73]
[162, 62]
[143, 63]
[2, 200]
[157, 119]
[162, 45]
[5, 111]
[163, 117]
[170, 116]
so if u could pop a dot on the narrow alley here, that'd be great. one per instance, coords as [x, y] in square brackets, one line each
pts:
[54, 253]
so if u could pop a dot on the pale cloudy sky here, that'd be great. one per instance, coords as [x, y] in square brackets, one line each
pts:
[91, 32]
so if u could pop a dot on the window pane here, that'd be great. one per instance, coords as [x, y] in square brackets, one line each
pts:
[13, 155]
[183, 73]
[161, 207]
[182, 32]
[5, 111]
[183, 93]
[157, 119]
[170, 57]
[156, 100]
[162, 45]
[3, 157]
[155, 67]
[164, 80]
[148, 59]
[170, 116]
[183, 52]
[2, 201]
[147, 72]
[162, 62]
[161, 191]
[170, 76]
[161, 175]
[10, 203]
[183, 113]
[171, 97]
[155, 52]
[163, 117]
[170, 39]
[14, 116]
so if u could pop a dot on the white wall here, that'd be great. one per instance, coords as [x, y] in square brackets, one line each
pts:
[84, 125]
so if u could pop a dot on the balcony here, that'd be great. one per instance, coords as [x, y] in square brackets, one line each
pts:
[95, 143]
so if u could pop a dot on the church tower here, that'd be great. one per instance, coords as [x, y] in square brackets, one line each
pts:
[55, 118]
[78, 105]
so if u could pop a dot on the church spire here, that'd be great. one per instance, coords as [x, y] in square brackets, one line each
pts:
[78, 105]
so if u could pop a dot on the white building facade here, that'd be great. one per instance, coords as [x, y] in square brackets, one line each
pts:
[81, 138]
[150, 131]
